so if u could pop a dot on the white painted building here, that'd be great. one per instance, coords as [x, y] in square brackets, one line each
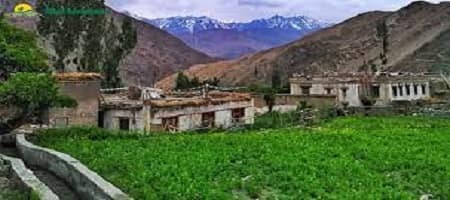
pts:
[349, 88]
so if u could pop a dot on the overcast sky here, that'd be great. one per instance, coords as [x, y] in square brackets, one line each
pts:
[246, 10]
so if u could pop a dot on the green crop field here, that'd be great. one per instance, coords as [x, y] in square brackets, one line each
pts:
[347, 158]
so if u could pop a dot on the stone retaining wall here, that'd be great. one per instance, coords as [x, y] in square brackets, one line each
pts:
[86, 183]
[287, 102]
[28, 180]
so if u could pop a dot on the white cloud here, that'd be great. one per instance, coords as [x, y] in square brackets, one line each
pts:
[246, 10]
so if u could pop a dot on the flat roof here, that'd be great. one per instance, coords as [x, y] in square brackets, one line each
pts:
[358, 77]
[78, 76]
[216, 98]
[121, 100]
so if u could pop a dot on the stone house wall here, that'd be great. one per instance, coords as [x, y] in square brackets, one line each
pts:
[294, 100]
[288, 103]
[87, 94]
[189, 118]
[408, 89]
[111, 119]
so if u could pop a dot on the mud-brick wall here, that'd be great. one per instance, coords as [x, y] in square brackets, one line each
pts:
[317, 101]
[87, 94]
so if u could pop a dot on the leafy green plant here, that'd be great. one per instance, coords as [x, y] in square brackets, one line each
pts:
[19, 52]
[13, 195]
[346, 158]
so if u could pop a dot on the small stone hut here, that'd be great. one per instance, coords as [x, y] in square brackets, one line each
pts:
[85, 89]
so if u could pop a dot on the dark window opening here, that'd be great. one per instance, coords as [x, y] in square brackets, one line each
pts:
[208, 119]
[170, 123]
[238, 114]
[101, 119]
[328, 90]
[394, 91]
[306, 90]
[124, 124]
[416, 89]
[400, 90]
[424, 89]
[408, 90]
[344, 92]
[376, 91]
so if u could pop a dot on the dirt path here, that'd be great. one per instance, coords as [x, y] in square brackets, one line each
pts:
[59, 187]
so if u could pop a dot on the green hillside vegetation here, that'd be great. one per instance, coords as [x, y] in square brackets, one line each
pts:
[103, 40]
[25, 80]
[19, 52]
[347, 158]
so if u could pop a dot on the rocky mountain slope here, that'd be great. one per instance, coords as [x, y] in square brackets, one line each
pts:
[232, 40]
[123, 49]
[412, 39]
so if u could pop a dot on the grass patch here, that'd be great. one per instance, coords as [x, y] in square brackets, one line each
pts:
[276, 120]
[13, 195]
[347, 158]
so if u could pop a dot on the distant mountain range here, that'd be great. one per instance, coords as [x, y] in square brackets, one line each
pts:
[415, 38]
[232, 40]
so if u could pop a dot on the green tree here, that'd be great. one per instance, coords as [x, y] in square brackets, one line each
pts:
[19, 52]
[33, 94]
[105, 41]
[182, 81]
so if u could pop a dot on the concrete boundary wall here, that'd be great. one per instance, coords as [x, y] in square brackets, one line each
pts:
[26, 177]
[86, 183]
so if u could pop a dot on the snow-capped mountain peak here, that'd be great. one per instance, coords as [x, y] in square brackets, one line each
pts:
[190, 24]
[299, 23]
[232, 40]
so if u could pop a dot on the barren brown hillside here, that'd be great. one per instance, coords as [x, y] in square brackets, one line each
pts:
[156, 55]
[370, 41]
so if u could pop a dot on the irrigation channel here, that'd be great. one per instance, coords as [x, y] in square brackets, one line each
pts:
[58, 186]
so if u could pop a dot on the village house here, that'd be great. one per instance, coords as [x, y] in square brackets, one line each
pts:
[149, 110]
[85, 89]
[352, 89]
